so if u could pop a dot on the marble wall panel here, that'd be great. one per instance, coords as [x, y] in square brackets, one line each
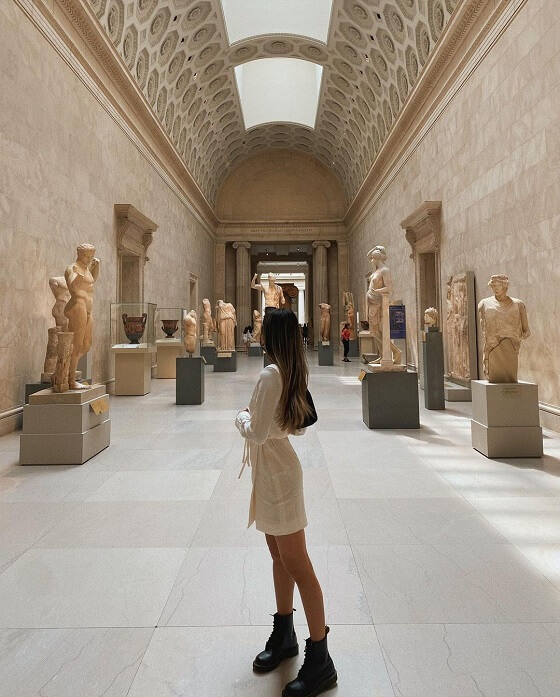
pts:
[65, 163]
[493, 159]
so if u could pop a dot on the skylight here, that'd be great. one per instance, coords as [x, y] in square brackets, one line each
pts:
[245, 18]
[279, 89]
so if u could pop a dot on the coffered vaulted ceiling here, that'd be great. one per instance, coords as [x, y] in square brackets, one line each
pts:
[178, 53]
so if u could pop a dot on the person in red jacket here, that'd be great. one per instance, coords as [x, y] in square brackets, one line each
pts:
[345, 337]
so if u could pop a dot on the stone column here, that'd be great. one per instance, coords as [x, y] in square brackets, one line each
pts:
[320, 284]
[219, 272]
[242, 287]
[343, 278]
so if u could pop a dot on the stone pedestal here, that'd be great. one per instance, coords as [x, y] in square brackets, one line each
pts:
[325, 353]
[133, 368]
[505, 419]
[456, 393]
[255, 349]
[369, 347]
[390, 400]
[226, 362]
[353, 348]
[33, 387]
[432, 344]
[189, 386]
[168, 350]
[65, 428]
[208, 353]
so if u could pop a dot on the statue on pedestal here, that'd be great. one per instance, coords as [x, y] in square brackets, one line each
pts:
[348, 303]
[189, 332]
[325, 321]
[227, 321]
[208, 325]
[273, 293]
[61, 294]
[503, 321]
[378, 300]
[80, 277]
[257, 327]
[431, 318]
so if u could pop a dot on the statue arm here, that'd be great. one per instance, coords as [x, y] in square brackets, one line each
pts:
[524, 322]
[94, 268]
[282, 298]
[255, 285]
[387, 284]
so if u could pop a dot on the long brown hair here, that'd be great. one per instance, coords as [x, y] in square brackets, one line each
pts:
[284, 344]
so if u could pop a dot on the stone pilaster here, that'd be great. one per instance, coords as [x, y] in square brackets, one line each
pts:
[320, 283]
[219, 272]
[242, 287]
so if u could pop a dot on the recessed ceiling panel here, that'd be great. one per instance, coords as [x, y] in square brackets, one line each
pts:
[279, 89]
[245, 18]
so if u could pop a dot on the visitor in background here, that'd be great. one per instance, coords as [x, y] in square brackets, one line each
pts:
[247, 338]
[305, 334]
[278, 408]
[345, 337]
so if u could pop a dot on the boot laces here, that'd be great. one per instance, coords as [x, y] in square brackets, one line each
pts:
[305, 669]
[275, 637]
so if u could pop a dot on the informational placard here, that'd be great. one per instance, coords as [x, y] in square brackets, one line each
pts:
[397, 321]
[100, 406]
[362, 375]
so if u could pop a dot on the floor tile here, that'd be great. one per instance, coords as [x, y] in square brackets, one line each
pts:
[485, 660]
[70, 662]
[157, 486]
[54, 588]
[22, 524]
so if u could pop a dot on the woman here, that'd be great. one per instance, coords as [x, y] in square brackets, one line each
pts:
[247, 338]
[345, 338]
[277, 409]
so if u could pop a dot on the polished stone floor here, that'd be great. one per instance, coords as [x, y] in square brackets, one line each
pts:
[134, 574]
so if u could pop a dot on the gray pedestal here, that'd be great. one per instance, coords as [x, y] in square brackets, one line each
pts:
[266, 360]
[255, 350]
[64, 429]
[353, 348]
[226, 362]
[33, 387]
[208, 353]
[390, 400]
[456, 393]
[434, 396]
[506, 419]
[325, 353]
[189, 385]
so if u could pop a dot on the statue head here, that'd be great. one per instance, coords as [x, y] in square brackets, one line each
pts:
[499, 283]
[271, 279]
[377, 253]
[256, 314]
[431, 317]
[206, 302]
[85, 253]
[192, 313]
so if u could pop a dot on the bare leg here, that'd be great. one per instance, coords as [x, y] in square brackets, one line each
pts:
[283, 582]
[77, 323]
[293, 553]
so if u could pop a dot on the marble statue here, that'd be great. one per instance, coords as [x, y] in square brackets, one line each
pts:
[60, 381]
[189, 332]
[80, 277]
[273, 293]
[61, 296]
[378, 299]
[348, 302]
[208, 325]
[226, 321]
[457, 329]
[503, 321]
[257, 326]
[51, 356]
[431, 317]
[325, 321]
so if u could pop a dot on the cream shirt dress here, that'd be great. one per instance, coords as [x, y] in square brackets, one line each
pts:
[277, 505]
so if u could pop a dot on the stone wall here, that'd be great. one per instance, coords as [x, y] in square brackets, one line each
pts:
[493, 159]
[65, 163]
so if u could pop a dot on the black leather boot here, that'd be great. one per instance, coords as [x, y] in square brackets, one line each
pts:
[317, 673]
[281, 644]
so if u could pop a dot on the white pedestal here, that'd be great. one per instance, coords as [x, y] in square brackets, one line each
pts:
[133, 368]
[168, 350]
[506, 419]
[63, 428]
[369, 347]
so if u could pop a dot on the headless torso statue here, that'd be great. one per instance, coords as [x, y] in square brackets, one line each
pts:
[80, 277]
[273, 294]
[325, 321]
[189, 332]
[227, 321]
[208, 326]
[503, 321]
[380, 285]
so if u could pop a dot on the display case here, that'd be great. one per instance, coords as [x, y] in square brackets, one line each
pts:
[133, 343]
[132, 325]
[169, 324]
[170, 333]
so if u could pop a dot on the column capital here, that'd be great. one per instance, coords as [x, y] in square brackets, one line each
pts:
[242, 245]
[321, 243]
